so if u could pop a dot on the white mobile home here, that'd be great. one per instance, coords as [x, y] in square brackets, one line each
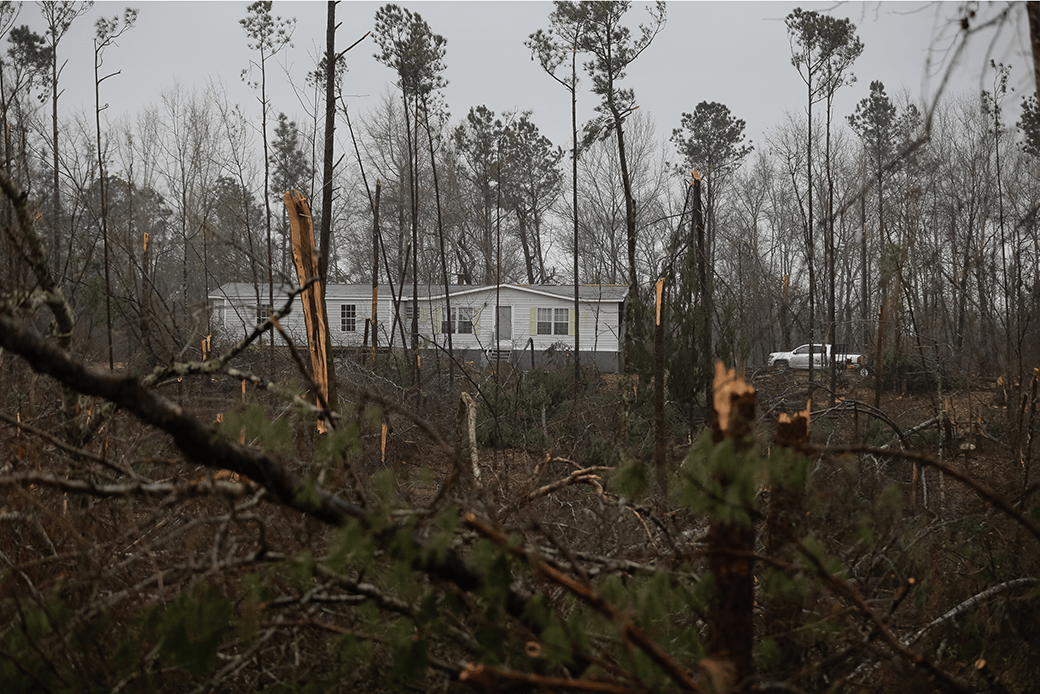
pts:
[238, 307]
[524, 324]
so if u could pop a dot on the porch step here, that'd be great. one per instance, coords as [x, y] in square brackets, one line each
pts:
[503, 355]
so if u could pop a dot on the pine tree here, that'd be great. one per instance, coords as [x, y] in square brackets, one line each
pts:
[613, 49]
[711, 143]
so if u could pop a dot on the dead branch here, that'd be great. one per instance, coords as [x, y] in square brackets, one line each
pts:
[591, 597]
[239, 661]
[31, 247]
[199, 443]
[849, 593]
[34, 525]
[984, 492]
[204, 487]
[324, 410]
[195, 439]
[490, 678]
[74, 451]
[870, 411]
[901, 436]
[215, 365]
[972, 602]
[583, 476]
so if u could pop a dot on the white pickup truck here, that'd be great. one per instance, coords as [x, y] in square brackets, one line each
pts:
[798, 358]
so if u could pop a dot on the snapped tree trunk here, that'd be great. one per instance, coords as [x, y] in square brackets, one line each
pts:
[314, 313]
[787, 478]
[731, 541]
[660, 452]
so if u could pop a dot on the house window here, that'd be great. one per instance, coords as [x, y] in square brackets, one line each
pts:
[348, 318]
[561, 321]
[262, 313]
[554, 321]
[461, 321]
[545, 321]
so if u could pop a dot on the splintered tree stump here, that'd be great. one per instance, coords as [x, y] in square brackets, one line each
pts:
[306, 260]
[730, 543]
[780, 613]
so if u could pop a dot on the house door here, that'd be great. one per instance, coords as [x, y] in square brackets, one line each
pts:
[504, 327]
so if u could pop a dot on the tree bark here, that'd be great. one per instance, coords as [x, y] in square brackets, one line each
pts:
[313, 298]
[1033, 13]
[574, 205]
[375, 269]
[660, 451]
[730, 544]
[783, 517]
[702, 287]
[452, 325]
[331, 395]
[633, 312]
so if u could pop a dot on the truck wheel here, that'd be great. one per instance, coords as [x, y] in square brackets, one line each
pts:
[781, 365]
[864, 372]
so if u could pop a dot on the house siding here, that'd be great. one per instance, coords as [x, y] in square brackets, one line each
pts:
[599, 325]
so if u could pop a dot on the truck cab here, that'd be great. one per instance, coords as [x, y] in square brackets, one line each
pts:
[820, 355]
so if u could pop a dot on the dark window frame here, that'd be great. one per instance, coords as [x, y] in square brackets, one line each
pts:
[348, 318]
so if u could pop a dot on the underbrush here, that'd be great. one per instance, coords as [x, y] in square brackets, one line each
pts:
[545, 556]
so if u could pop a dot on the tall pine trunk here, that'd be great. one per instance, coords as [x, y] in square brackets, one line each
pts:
[325, 241]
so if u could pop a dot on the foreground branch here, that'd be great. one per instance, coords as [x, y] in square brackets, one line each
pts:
[197, 441]
[984, 492]
[629, 631]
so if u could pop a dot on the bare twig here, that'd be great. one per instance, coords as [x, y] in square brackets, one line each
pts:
[203, 487]
[583, 476]
[587, 594]
[984, 492]
[75, 451]
[849, 593]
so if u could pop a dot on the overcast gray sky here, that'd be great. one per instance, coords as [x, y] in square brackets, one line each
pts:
[736, 53]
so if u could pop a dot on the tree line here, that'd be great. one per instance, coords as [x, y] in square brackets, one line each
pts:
[901, 228]
[837, 227]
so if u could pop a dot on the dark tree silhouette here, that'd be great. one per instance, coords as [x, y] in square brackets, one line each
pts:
[409, 47]
[613, 49]
[822, 50]
[874, 120]
[710, 142]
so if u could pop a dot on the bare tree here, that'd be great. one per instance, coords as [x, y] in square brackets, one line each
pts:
[268, 35]
[189, 159]
[613, 49]
[106, 33]
[59, 16]
[416, 54]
